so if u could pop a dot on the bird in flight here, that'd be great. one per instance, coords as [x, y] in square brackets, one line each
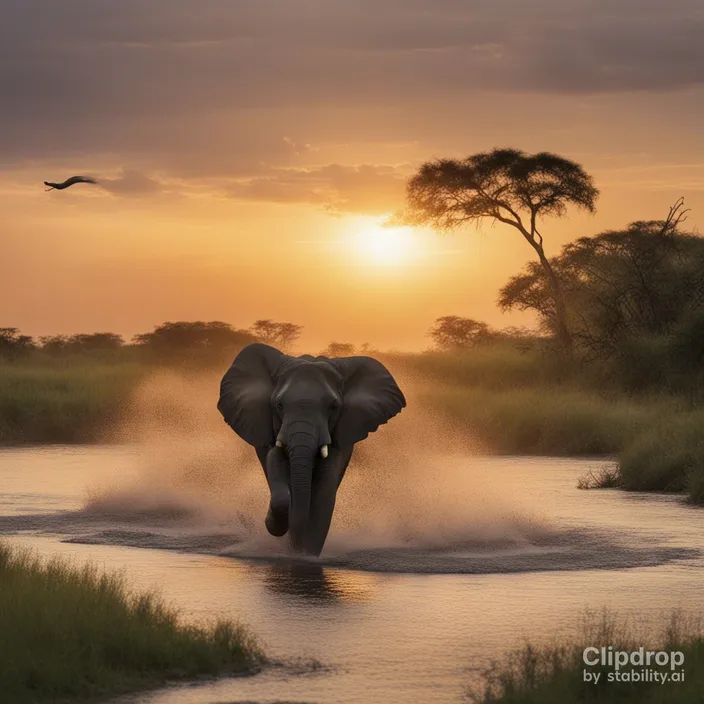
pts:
[68, 182]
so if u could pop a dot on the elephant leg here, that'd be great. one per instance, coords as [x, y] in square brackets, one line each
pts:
[276, 469]
[326, 480]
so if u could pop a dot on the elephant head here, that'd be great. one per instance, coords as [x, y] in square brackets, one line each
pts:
[308, 407]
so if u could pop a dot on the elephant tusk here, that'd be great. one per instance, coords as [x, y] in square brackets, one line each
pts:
[324, 451]
[279, 443]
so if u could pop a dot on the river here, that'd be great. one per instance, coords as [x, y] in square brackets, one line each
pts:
[398, 617]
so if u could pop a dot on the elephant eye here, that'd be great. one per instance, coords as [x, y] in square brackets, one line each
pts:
[279, 406]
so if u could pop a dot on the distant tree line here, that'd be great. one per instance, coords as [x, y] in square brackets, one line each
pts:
[453, 332]
[169, 342]
[510, 187]
[634, 298]
[630, 300]
[633, 301]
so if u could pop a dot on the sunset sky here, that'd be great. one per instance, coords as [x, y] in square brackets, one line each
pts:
[250, 149]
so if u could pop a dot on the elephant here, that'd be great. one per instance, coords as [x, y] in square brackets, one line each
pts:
[303, 416]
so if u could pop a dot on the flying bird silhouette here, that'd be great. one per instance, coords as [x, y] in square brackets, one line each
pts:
[68, 182]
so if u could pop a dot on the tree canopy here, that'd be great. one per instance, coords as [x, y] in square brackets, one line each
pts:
[13, 344]
[282, 335]
[194, 339]
[508, 186]
[453, 332]
[644, 281]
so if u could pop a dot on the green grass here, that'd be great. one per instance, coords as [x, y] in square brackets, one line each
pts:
[511, 400]
[493, 367]
[669, 456]
[531, 403]
[548, 421]
[69, 633]
[606, 477]
[62, 402]
[553, 673]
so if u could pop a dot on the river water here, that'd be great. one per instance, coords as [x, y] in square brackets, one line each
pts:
[383, 616]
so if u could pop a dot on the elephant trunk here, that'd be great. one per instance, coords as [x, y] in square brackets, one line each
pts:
[302, 451]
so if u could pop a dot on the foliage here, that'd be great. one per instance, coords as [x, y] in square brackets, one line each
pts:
[552, 673]
[13, 344]
[281, 335]
[194, 341]
[170, 343]
[509, 396]
[668, 456]
[76, 633]
[606, 477]
[635, 297]
[542, 421]
[71, 400]
[338, 349]
[507, 185]
[504, 364]
[81, 343]
[454, 332]
[501, 184]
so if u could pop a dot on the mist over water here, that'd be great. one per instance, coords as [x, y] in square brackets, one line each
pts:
[420, 578]
[405, 486]
[416, 497]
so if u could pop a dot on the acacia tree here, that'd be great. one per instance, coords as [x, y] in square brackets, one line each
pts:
[507, 185]
[646, 280]
[13, 344]
[272, 333]
[338, 349]
[193, 339]
[454, 332]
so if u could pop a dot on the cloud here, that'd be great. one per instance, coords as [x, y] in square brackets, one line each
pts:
[366, 188]
[133, 183]
[212, 89]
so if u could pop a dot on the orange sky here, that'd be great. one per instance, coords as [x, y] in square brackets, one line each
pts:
[248, 151]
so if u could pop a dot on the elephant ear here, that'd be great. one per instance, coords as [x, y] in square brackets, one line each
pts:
[370, 398]
[245, 393]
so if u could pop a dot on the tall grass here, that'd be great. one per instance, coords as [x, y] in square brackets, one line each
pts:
[669, 456]
[62, 402]
[510, 400]
[500, 366]
[514, 401]
[70, 632]
[546, 421]
[532, 401]
[553, 673]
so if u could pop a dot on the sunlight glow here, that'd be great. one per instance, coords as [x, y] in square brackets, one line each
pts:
[379, 245]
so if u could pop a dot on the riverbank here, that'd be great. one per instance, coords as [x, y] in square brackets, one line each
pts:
[64, 401]
[511, 401]
[528, 403]
[70, 633]
[555, 673]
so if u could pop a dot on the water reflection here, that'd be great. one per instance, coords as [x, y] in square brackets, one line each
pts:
[381, 637]
[310, 581]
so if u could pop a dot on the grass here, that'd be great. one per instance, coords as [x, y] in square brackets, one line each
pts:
[493, 367]
[545, 421]
[606, 477]
[530, 403]
[668, 457]
[511, 401]
[69, 633]
[553, 673]
[63, 402]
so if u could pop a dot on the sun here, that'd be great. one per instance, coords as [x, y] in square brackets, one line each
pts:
[380, 245]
